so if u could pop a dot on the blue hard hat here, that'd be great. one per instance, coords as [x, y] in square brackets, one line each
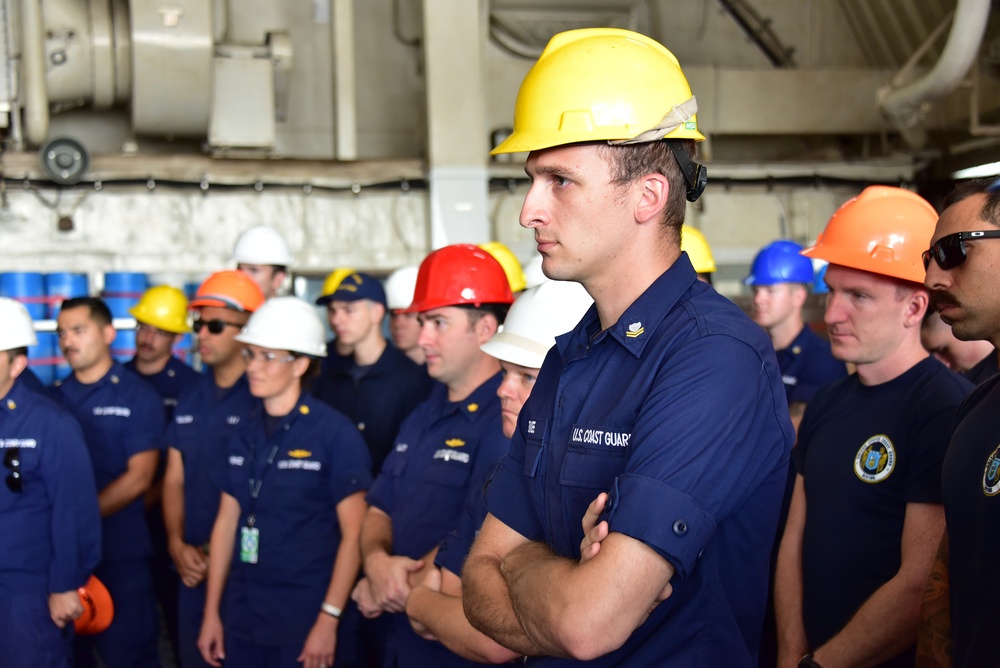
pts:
[780, 262]
[819, 285]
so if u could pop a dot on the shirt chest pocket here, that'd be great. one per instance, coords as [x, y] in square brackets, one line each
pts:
[594, 457]
[448, 472]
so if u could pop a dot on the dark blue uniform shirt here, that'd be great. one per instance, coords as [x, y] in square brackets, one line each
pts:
[970, 482]
[317, 459]
[205, 420]
[442, 457]
[807, 365]
[677, 410]
[51, 529]
[984, 369]
[379, 400]
[865, 452]
[121, 416]
[173, 379]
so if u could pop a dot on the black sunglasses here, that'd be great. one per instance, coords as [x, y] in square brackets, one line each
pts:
[949, 251]
[12, 460]
[214, 326]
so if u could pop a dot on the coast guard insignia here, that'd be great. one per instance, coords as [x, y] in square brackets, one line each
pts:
[876, 459]
[991, 474]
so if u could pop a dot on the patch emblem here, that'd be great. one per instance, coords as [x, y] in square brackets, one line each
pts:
[634, 330]
[454, 442]
[991, 474]
[875, 460]
[299, 454]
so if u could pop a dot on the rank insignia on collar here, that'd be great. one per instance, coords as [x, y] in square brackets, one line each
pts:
[299, 454]
[472, 408]
[304, 410]
[797, 350]
[11, 404]
[454, 442]
[634, 330]
[114, 379]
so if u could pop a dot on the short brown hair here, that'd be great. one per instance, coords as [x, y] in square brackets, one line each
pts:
[991, 209]
[629, 162]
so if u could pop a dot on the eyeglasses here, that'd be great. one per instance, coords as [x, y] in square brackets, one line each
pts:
[949, 251]
[267, 356]
[150, 329]
[214, 326]
[12, 460]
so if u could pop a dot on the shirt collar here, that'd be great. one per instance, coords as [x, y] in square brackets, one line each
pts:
[474, 405]
[635, 327]
[14, 399]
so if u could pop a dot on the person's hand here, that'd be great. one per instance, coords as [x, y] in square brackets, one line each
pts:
[321, 643]
[65, 607]
[362, 595]
[431, 581]
[388, 577]
[210, 640]
[191, 563]
[593, 531]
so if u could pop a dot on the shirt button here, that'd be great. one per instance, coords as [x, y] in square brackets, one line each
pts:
[680, 528]
[361, 426]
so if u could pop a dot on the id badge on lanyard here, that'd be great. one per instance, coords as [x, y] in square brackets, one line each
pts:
[250, 534]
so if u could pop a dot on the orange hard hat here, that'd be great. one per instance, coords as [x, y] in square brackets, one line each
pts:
[98, 608]
[883, 230]
[230, 289]
[459, 274]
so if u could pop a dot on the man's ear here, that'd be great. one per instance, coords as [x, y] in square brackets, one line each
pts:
[653, 191]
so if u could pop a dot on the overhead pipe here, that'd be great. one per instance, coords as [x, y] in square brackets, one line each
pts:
[36, 96]
[903, 105]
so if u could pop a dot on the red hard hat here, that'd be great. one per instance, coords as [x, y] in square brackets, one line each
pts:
[98, 609]
[459, 274]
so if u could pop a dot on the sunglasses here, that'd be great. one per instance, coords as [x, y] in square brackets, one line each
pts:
[214, 326]
[949, 251]
[12, 460]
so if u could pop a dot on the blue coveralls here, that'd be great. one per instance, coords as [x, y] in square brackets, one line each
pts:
[121, 416]
[206, 418]
[313, 460]
[442, 455]
[678, 411]
[807, 365]
[169, 383]
[51, 528]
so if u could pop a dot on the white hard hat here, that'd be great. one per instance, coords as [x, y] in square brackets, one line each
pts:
[18, 331]
[534, 321]
[533, 275]
[286, 323]
[399, 287]
[262, 245]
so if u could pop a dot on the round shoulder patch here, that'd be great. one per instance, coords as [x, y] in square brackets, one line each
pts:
[991, 474]
[876, 459]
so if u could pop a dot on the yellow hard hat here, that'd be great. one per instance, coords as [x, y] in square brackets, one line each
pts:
[163, 307]
[511, 265]
[332, 282]
[694, 243]
[602, 84]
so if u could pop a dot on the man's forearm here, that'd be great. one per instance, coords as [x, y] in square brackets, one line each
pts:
[130, 485]
[376, 534]
[444, 617]
[487, 604]
[934, 634]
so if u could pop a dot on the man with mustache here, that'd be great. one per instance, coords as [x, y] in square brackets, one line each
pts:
[962, 265]
[866, 515]
[123, 424]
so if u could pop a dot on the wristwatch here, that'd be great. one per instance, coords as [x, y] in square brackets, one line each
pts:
[331, 609]
[808, 662]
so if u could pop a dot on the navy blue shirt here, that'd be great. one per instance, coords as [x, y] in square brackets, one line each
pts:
[807, 365]
[984, 369]
[317, 459]
[443, 454]
[169, 382]
[377, 400]
[121, 416]
[29, 380]
[864, 453]
[971, 486]
[206, 418]
[51, 529]
[678, 411]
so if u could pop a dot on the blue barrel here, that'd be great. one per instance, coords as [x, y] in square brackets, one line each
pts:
[28, 288]
[123, 347]
[42, 358]
[63, 285]
[122, 289]
[191, 289]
